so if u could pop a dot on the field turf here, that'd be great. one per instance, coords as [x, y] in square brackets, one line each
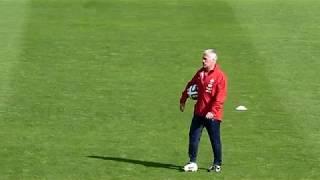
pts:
[89, 89]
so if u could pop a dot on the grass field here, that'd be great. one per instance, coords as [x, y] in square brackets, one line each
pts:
[90, 88]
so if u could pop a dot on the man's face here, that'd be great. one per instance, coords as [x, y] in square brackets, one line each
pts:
[207, 61]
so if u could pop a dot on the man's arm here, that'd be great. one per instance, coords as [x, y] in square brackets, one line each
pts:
[184, 95]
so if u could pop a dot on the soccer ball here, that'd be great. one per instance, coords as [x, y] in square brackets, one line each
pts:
[193, 92]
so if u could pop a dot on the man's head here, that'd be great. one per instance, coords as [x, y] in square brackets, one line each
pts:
[209, 59]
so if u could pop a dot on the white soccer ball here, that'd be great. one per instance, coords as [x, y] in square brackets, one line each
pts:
[193, 92]
[191, 167]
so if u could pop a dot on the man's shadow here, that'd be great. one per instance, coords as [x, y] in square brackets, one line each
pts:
[140, 162]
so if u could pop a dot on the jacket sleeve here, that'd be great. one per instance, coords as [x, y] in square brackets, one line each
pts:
[220, 95]
[184, 95]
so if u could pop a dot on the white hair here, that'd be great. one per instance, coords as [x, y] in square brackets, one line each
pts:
[211, 53]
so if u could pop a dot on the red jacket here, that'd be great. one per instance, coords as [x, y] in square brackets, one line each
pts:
[212, 91]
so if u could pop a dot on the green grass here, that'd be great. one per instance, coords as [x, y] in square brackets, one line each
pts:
[90, 88]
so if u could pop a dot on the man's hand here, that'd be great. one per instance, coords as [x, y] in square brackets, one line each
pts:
[182, 105]
[210, 115]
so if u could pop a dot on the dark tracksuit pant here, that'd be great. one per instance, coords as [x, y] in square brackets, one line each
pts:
[213, 129]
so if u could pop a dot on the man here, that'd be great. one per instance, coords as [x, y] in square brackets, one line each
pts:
[208, 110]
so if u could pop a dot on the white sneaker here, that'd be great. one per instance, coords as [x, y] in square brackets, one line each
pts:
[190, 167]
[215, 168]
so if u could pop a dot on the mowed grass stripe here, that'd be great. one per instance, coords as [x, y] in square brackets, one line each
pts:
[12, 28]
[290, 51]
